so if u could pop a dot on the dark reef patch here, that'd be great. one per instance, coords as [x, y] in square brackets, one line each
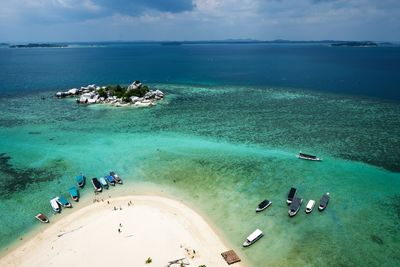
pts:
[376, 239]
[34, 133]
[21, 178]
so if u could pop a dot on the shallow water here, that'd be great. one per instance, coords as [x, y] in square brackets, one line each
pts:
[222, 150]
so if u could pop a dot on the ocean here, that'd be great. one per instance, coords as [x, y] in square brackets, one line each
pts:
[225, 138]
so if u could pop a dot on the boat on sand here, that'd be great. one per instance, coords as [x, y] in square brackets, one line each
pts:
[42, 218]
[96, 184]
[63, 202]
[116, 177]
[54, 205]
[73, 191]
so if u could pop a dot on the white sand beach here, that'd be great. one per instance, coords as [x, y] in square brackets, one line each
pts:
[156, 227]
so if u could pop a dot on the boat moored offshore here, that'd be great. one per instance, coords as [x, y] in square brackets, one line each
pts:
[310, 206]
[295, 206]
[291, 194]
[253, 237]
[263, 205]
[308, 157]
[324, 201]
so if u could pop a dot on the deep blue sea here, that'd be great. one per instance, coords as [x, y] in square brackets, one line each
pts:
[368, 71]
[224, 138]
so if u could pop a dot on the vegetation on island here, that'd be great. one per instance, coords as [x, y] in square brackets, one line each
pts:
[123, 92]
[148, 261]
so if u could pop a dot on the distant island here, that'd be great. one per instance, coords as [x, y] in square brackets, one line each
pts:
[136, 95]
[37, 45]
[356, 44]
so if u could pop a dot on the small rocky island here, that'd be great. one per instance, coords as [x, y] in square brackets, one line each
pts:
[136, 95]
[356, 44]
[35, 45]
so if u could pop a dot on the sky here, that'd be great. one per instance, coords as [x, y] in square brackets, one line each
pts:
[130, 20]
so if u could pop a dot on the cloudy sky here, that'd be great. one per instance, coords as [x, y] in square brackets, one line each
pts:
[98, 20]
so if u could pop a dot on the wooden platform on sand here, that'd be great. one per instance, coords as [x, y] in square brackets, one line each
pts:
[230, 257]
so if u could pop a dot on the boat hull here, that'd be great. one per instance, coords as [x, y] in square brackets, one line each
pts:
[42, 218]
[312, 159]
[263, 208]
[247, 243]
[96, 185]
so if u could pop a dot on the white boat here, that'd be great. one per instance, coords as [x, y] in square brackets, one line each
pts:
[253, 237]
[295, 206]
[54, 204]
[310, 206]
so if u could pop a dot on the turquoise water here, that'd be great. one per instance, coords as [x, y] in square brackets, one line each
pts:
[224, 139]
[222, 149]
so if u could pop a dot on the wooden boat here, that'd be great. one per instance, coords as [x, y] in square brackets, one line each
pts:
[116, 177]
[96, 184]
[42, 218]
[323, 203]
[310, 206]
[295, 206]
[73, 191]
[291, 194]
[54, 205]
[263, 205]
[103, 182]
[110, 179]
[253, 237]
[64, 202]
[308, 157]
[81, 179]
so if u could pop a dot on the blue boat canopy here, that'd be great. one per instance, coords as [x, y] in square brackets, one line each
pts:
[73, 191]
[63, 200]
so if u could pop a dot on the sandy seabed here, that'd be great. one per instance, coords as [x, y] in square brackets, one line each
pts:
[123, 231]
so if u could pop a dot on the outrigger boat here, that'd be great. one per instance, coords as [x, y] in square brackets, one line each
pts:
[81, 179]
[116, 177]
[54, 205]
[103, 182]
[96, 184]
[291, 194]
[263, 205]
[110, 179]
[73, 191]
[324, 202]
[64, 202]
[308, 157]
[253, 237]
[310, 206]
[295, 206]
[42, 218]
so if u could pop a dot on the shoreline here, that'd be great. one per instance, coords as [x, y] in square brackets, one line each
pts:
[188, 232]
